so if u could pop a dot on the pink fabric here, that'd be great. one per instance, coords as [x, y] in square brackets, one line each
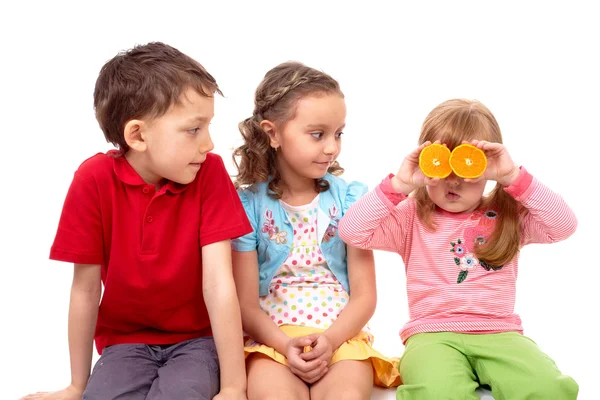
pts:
[483, 302]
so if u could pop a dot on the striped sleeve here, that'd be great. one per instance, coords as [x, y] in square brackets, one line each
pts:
[376, 222]
[548, 218]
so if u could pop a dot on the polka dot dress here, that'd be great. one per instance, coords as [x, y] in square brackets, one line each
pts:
[304, 291]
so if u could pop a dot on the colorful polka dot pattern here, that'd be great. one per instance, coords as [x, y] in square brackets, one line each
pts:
[304, 291]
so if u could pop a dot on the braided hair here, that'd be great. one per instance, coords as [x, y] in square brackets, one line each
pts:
[275, 100]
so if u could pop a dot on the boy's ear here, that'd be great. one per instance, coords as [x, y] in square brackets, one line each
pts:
[134, 135]
[271, 130]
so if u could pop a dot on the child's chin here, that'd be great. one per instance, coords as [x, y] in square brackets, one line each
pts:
[185, 181]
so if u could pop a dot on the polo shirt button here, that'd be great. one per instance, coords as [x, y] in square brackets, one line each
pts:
[287, 222]
[145, 190]
[149, 219]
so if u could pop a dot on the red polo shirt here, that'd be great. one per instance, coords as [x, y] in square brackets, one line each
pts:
[148, 243]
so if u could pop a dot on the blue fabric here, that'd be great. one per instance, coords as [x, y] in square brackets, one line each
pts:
[273, 247]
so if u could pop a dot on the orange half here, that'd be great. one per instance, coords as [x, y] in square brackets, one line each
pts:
[434, 161]
[468, 161]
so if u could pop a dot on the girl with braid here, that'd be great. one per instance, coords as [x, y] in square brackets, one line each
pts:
[306, 297]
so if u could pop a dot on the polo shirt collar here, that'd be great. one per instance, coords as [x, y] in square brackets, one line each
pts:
[129, 176]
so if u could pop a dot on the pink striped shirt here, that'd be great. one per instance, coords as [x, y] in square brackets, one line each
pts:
[435, 262]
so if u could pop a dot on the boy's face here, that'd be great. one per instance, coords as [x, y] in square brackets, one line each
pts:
[178, 141]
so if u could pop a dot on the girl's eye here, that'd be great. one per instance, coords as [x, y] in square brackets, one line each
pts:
[317, 135]
[339, 135]
[193, 131]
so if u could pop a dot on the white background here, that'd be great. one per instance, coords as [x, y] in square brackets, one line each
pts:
[534, 65]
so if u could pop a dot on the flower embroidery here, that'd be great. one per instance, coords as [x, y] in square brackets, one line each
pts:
[465, 263]
[479, 239]
[468, 262]
[269, 227]
[331, 230]
[462, 258]
[490, 214]
[329, 233]
[279, 237]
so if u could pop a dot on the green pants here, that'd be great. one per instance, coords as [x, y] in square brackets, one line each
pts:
[447, 365]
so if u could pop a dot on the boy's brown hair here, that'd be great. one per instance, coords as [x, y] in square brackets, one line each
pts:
[144, 82]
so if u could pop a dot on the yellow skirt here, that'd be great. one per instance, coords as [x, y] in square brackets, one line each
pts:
[385, 369]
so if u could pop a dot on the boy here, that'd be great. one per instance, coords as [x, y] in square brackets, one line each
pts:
[152, 221]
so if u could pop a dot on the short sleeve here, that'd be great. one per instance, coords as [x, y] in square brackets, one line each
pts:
[222, 216]
[79, 235]
[354, 191]
[247, 242]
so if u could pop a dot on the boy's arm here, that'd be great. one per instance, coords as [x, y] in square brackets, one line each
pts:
[224, 312]
[86, 290]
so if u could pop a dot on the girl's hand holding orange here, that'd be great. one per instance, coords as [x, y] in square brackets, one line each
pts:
[500, 166]
[410, 176]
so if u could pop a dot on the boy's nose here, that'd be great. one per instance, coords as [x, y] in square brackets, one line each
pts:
[206, 145]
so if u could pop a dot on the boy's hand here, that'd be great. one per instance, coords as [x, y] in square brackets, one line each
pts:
[69, 393]
[322, 350]
[231, 394]
[308, 371]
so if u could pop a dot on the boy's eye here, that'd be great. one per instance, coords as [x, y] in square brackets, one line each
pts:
[193, 131]
[339, 135]
[317, 135]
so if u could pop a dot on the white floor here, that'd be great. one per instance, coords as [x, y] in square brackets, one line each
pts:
[390, 394]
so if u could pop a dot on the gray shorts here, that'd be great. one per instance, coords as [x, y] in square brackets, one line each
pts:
[184, 371]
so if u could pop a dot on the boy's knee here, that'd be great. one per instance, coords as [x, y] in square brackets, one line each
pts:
[203, 386]
[185, 392]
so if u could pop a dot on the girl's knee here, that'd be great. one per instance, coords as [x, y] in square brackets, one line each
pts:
[349, 394]
[437, 390]
[279, 395]
[561, 387]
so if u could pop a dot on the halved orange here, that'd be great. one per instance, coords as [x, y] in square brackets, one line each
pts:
[434, 161]
[468, 161]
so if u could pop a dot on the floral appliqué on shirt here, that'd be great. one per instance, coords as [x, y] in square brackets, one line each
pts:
[331, 230]
[269, 227]
[463, 250]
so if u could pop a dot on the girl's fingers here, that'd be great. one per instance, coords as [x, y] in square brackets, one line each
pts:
[304, 366]
[431, 181]
[474, 180]
[304, 341]
[316, 352]
[313, 375]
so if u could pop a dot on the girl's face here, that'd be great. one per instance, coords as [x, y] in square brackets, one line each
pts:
[311, 141]
[454, 195]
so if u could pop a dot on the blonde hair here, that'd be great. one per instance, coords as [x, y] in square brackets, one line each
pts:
[452, 122]
[275, 100]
